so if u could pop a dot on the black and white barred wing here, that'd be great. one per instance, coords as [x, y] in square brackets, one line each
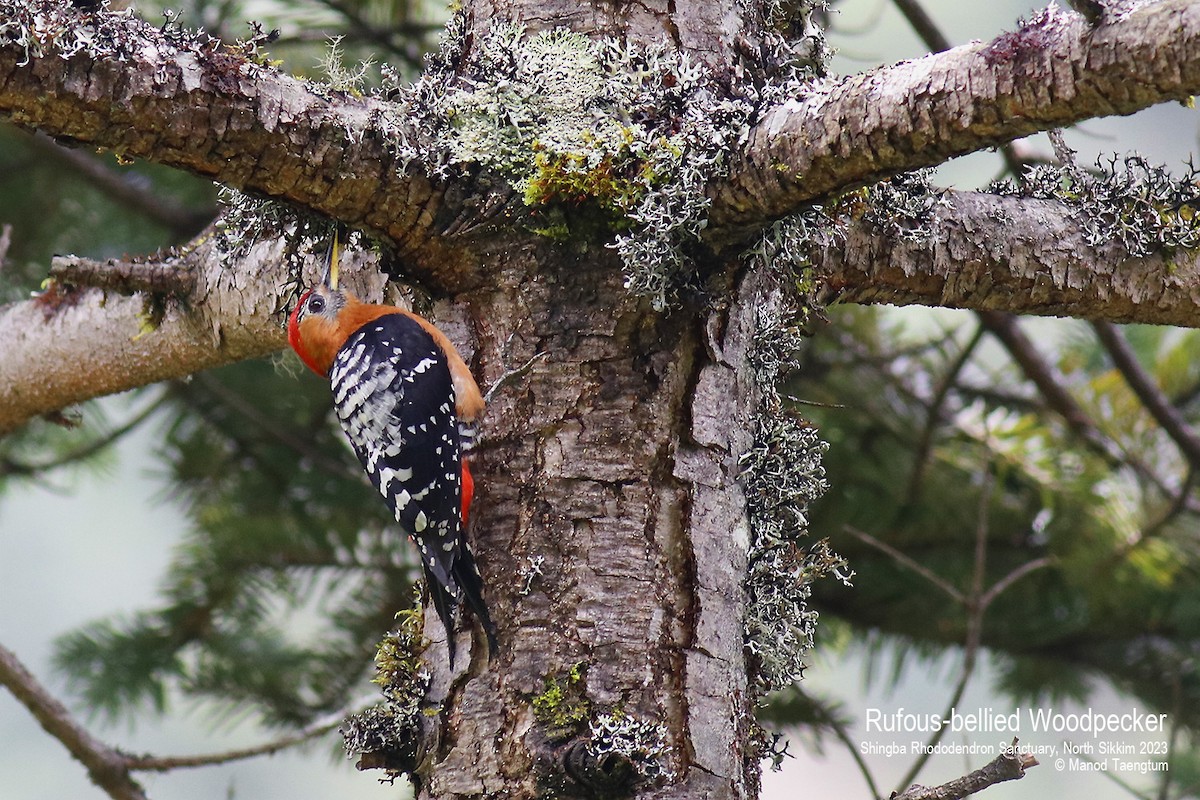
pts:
[393, 394]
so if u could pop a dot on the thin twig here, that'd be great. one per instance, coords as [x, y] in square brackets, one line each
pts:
[1008, 580]
[907, 561]
[1008, 766]
[106, 767]
[147, 763]
[1177, 709]
[934, 415]
[924, 25]
[182, 222]
[239, 405]
[5, 243]
[11, 467]
[1146, 389]
[1048, 382]
[975, 609]
[827, 717]
[800, 401]
[409, 51]
[1115, 778]
[1043, 376]
[1177, 507]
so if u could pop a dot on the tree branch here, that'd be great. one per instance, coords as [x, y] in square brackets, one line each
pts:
[1015, 255]
[190, 102]
[199, 106]
[1052, 72]
[923, 24]
[933, 418]
[1146, 388]
[72, 344]
[9, 466]
[108, 767]
[1049, 383]
[147, 763]
[1008, 766]
[905, 560]
[105, 766]
[169, 277]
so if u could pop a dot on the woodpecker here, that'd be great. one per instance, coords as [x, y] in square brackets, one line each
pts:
[408, 404]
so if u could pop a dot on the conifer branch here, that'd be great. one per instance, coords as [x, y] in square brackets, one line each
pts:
[919, 113]
[107, 767]
[148, 763]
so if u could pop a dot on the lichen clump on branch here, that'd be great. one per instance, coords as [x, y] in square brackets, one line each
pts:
[568, 120]
[386, 736]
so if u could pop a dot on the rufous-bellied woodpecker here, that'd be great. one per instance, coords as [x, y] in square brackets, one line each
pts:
[408, 404]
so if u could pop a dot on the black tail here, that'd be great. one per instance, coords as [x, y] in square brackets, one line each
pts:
[443, 603]
[466, 575]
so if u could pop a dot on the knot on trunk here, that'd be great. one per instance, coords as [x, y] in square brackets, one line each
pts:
[604, 774]
[613, 759]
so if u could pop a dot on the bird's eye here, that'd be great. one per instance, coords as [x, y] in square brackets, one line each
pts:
[316, 304]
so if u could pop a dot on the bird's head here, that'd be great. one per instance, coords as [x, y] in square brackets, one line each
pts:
[315, 326]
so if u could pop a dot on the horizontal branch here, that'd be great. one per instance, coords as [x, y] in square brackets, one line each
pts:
[1010, 765]
[71, 344]
[110, 768]
[105, 766]
[1055, 71]
[168, 277]
[1016, 255]
[190, 102]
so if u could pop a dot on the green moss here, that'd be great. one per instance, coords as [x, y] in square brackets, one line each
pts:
[398, 659]
[563, 705]
[629, 136]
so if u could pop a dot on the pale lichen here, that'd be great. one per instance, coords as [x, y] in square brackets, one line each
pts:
[635, 132]
[795, 44]
[641, 743]
[54, 28]
[1131, 202]
[247, 220]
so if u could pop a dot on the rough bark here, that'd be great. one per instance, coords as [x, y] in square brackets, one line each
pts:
[620, 459]
[1021, 256]
[250, 127]
[1051, 73]
[73, 344]
[613, 465]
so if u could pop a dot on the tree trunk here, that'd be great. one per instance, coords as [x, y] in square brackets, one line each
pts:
[612, 535]
[611, 529]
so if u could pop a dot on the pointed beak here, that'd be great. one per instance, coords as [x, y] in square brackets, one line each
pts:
[331, 259]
